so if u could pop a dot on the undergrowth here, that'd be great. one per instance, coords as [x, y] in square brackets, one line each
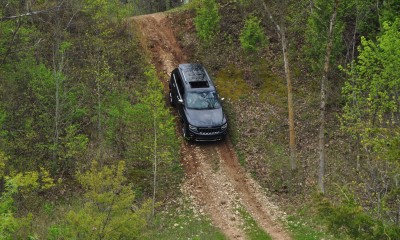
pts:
[184, 224]
[230, 83]
[302, 230]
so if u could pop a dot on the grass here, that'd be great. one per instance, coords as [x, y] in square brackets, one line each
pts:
[252, 229]
[272, 87]
[304, 224]
[215, 164]
[301, 231]
[178, 224]
[230, 83]
[241, 157]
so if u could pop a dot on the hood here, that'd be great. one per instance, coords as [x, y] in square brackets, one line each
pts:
[205, 117]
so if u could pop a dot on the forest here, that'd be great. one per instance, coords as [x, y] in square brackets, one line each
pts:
[89, 148]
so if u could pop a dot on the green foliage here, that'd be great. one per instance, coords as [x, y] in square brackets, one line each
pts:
[371, 111]
[77, 54]
[302, 230]
[107, 10]
[252, 36]
[371, 96]
[125, 123]
[31, 92]
[20, 185]
[164, 142]
[56, 232]
[253, 230]
[207, 20]
[150, 121]
[317, 32]
[390, 11]
[181, 224]
[351, 219]
[31, 97]
[108, 211]
[234, 87]
[74, 145]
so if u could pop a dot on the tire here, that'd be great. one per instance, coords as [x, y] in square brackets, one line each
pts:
[184, 131]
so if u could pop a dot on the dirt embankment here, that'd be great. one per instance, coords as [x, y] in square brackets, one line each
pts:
[214, 180]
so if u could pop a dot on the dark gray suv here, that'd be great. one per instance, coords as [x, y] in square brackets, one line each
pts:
[193, 92]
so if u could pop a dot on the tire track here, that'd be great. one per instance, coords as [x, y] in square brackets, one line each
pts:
[214, 180]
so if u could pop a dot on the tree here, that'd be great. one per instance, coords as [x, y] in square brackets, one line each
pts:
[252, 36]
[103, 75]
[163, 126]
[207, 20]
[319, 22]
[281, 30]
[19, 185]
[372, 114]
[143, 134]
[324, 80]
[108, 211]
[40, 104]
[372, 91]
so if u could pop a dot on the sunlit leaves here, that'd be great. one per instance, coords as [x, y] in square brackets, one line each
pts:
[19, 184]
[372, 93]
[109, 211]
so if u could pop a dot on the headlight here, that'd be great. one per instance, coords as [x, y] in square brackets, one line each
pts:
[224, 127]
[193, 128]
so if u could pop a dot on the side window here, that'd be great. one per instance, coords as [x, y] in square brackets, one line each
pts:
[179, 82]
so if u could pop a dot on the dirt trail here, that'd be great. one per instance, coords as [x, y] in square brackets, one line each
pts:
[214, 180]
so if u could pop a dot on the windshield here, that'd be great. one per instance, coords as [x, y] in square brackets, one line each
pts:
[202, 100]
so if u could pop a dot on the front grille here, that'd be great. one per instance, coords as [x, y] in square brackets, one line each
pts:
[209, 131]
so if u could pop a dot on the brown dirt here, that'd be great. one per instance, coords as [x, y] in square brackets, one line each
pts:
[215, 182]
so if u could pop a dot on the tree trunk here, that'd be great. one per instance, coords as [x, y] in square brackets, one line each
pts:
[58, 59]
[324, 81]
[155, 162]
[292, 135]
[98, 80]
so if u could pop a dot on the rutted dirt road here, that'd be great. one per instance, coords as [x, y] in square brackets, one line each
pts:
[214, 180]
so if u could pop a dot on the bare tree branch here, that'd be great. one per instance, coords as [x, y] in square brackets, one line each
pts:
[57, 8]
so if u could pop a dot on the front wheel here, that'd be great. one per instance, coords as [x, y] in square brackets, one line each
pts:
[185, 131]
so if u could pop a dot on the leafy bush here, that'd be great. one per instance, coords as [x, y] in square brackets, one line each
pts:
[108, 211]
[371, 95]
[207, 20]
[19, 186]
[350, 218]
[252, 37]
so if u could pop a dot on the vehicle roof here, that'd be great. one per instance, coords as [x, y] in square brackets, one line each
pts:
[195, 76]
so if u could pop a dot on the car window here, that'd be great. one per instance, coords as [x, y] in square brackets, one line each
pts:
[202, 100]
[179, 82]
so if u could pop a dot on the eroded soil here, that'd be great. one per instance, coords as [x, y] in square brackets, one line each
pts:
[215, 182]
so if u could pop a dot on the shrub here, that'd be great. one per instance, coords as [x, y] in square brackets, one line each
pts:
[108, 211]
[252, 37]
[207, 20]
[350, 218]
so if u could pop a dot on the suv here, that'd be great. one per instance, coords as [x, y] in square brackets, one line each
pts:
[191, 89]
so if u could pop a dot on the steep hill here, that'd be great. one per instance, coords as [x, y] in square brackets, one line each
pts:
[214, 180]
